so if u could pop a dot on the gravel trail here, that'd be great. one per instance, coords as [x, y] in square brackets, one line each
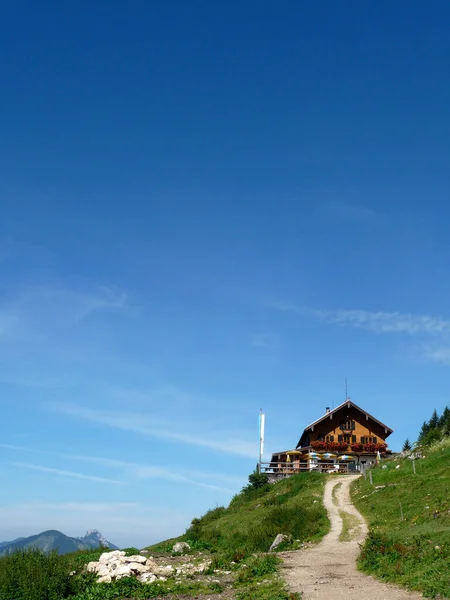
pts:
[328, 571]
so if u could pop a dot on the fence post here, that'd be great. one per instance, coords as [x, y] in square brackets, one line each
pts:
[370, 477]
[414, 465]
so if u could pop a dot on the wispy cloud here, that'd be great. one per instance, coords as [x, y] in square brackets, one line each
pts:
[375, 321]
[136, 470]
[264, 340]
[41, 308]
[146, 424]
[12, 447]
[353, 212]
[143, 471]
[72, 304]
[61, 473]
[386, 322]
[437, 353]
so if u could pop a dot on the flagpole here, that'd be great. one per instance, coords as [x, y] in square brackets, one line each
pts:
[261, 437]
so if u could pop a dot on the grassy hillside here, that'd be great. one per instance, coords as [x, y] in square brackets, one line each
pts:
[256, 515]
[409, 544]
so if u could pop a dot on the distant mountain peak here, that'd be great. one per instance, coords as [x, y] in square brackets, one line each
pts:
[55, 540]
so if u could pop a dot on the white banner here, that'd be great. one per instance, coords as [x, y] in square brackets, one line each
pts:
[262, 419]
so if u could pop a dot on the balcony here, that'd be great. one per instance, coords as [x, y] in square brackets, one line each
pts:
[282, 470]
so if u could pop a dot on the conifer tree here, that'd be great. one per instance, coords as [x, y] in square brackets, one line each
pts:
[406, 445]
[424, 431]
[434, 421]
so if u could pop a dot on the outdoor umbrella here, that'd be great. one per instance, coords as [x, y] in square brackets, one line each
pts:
[293, 452]
[329, 455]
[288, 458]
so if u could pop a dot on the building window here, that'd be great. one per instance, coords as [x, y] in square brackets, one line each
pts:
[368, 439]
[329, 438]
[348, 425]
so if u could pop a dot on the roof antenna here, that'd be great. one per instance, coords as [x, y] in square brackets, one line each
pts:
[346, 389]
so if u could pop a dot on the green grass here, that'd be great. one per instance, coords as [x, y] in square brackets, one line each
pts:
[350, 526]
[415, 551]
[131, 588]
[33, 575]
[334, 493]
[255, 516]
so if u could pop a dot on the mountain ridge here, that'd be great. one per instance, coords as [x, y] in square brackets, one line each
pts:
[52, 539]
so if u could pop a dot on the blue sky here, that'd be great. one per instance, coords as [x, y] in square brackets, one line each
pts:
[208, 209]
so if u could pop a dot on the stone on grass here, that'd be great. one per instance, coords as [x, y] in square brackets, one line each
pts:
[137, 558]
[109, 556]
[181, 547]
[278, 541]
[134, 566]
[147, 578]
[165, 571]
[123, 571]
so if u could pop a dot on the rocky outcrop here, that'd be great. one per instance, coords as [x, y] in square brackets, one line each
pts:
[116, 565]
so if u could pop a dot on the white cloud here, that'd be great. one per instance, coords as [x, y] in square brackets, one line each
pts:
[61, 473]
[146, 424]
[386, 322]
[143, 471]
[39, 309]
[376, 321]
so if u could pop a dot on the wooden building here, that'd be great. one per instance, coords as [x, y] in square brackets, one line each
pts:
[344, 439]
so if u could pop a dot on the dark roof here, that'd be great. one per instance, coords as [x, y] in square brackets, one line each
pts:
[331, 412]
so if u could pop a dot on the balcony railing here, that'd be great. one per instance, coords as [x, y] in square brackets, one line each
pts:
[291, 468]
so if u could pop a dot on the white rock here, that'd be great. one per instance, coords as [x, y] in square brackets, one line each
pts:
[107, 556]
[147, 578]
[134, 566]
[123, 571]
[92, 567]
[104, 570]
[150, 564]
[277, 541]
[181, 547]
[104, 579]
[136, 558]
[165, 570]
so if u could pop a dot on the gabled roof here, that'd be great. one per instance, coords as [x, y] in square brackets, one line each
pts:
[335, 410]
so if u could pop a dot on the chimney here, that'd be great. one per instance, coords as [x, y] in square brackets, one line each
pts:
[327, 410]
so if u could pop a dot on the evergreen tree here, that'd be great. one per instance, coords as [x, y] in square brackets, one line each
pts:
[406, 445]
[444, 421]
[434, 421]
[424, 431]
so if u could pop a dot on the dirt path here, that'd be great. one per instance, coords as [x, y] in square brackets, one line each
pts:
[328, 571]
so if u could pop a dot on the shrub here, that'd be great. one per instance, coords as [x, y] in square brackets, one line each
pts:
[258, 566]
[33, 575]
